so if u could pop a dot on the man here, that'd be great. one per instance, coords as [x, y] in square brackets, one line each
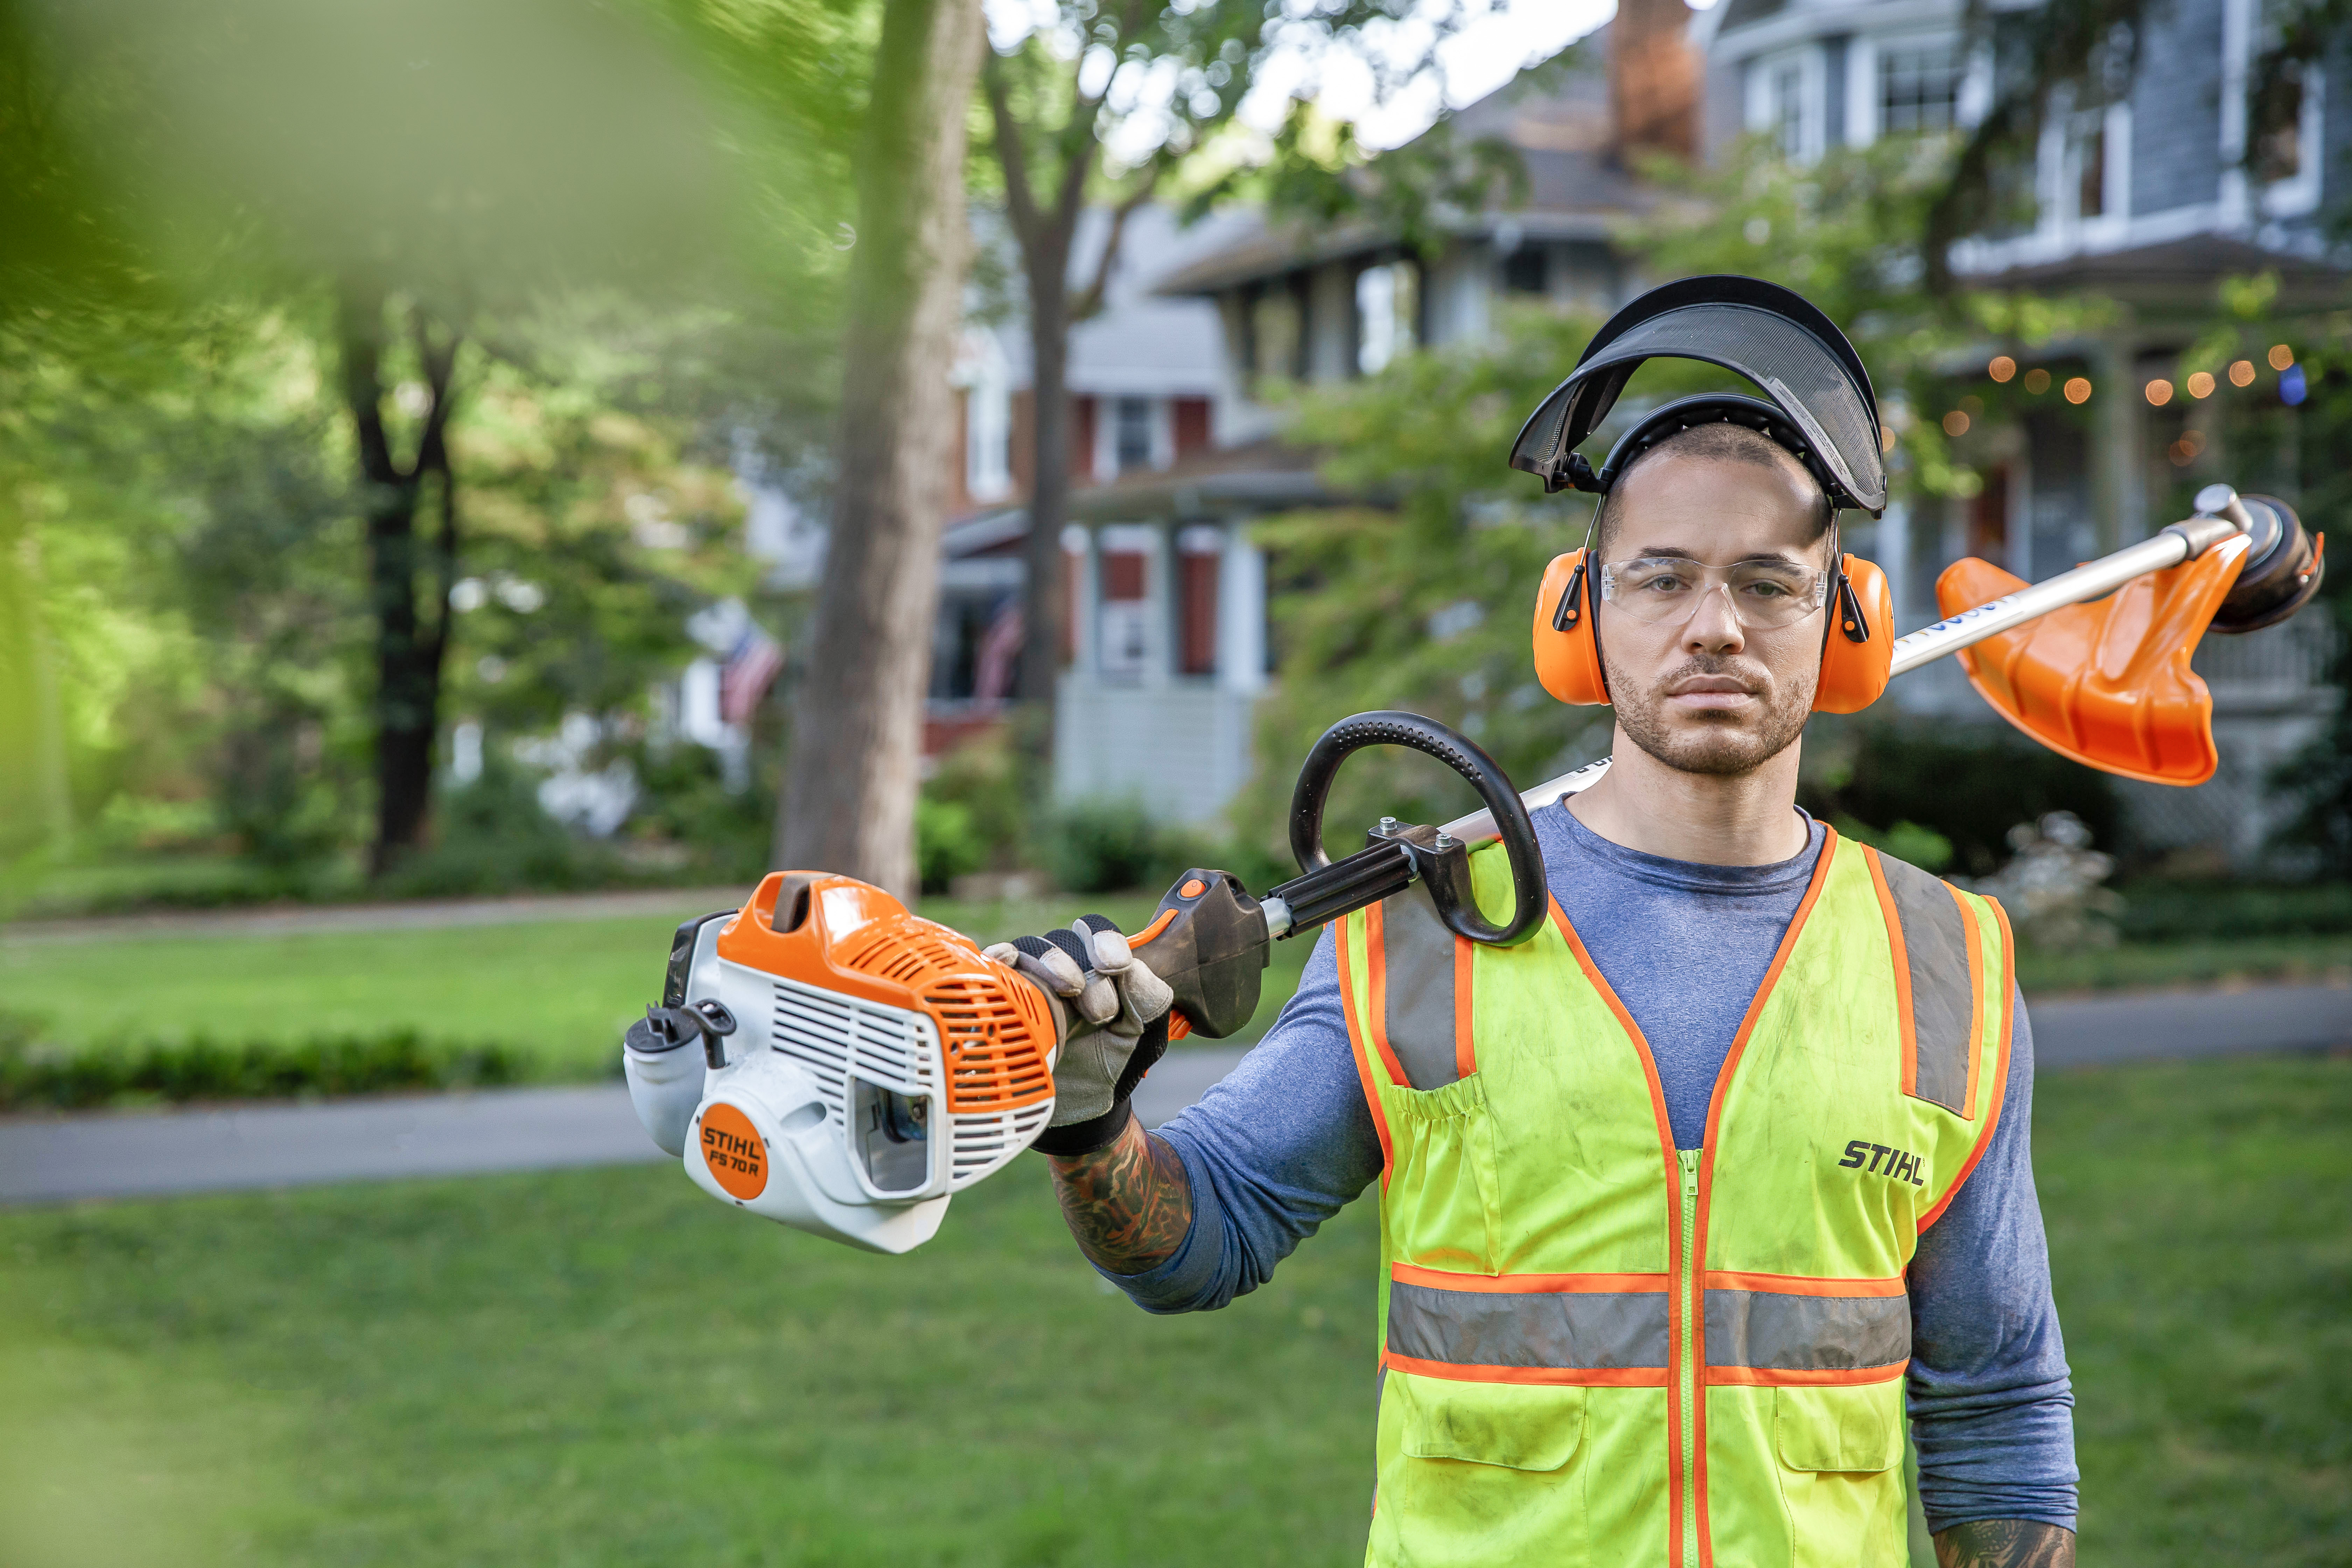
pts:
[1598, 1350]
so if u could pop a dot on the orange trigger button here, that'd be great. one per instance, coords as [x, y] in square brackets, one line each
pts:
[1192, 889]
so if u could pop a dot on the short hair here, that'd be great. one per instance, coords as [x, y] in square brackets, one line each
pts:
[1725, 442]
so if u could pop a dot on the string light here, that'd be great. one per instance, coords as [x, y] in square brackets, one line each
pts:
[2241, 373]
[1956, 423]
[2078, 389]
[2003, 367]
[2201, 385]
[2280, 356]
[2159, 392]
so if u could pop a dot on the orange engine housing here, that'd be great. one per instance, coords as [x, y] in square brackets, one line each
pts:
[847, 937]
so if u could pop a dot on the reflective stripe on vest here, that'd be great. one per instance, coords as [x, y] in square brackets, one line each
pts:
[1598, 1348]
[1605, 1329]
[1931, 931]
[1612, 1329]
[1421, 990]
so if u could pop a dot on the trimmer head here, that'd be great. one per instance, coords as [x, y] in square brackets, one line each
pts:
[873, 1063]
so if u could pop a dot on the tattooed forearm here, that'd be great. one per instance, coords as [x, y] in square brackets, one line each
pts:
[2005, 1543]
[1129, 1205]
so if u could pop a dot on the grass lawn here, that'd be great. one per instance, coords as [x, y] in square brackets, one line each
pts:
[2215, 962]
[604, 1367]
[561, 990]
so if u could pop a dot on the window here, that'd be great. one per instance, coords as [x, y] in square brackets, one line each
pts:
[1273, 331]
[988, 435]
[1918, 87]
[1124, 631]
[1787, 101]
[1388, 301]
[1133, 433]
[2278, 150]
[2274, 130]
[1523, 270]
[2091, 169]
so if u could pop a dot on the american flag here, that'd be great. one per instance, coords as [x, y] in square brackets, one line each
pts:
[1000, 646]
[752, 666]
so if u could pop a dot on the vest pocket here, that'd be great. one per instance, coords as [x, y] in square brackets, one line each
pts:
[1475, 1474]
[1847, 1430]
[1518, 1427]
[1841, 1452]
[1441, 1205]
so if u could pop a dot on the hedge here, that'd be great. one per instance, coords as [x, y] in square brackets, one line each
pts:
[35, 1072]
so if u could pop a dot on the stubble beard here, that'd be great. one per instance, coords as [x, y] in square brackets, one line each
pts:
[1714, 745]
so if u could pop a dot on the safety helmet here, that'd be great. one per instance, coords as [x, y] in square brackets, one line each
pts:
[1821, 409]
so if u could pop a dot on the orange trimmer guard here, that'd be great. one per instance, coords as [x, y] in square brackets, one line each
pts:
[2106, 683]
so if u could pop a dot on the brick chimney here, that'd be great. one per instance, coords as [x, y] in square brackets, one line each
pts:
[1655, 77]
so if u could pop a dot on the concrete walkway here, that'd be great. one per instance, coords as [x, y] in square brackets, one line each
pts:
[218, 1149]
[125, 1154]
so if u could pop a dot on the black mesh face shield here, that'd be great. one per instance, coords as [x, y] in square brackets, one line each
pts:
[1821, 408]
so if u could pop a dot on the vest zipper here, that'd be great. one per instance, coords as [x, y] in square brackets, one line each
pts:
[1686, 1373]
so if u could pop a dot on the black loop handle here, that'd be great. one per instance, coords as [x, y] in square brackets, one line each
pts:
[1457, 751]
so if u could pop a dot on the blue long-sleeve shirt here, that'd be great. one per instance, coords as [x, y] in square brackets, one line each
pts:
[1286, 1140]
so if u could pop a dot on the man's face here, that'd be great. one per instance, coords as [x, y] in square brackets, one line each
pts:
[1700, 691]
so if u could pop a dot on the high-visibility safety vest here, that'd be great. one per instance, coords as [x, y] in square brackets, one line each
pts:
[1599, 1350]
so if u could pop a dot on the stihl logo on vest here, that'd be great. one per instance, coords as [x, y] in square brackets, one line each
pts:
[1900, 1166]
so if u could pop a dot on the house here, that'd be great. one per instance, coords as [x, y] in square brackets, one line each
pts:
[1168, 598]
[1342, 300]
[1166, 646]
[2142, 199]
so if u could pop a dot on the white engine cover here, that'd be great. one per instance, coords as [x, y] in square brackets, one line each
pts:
[765, 1142]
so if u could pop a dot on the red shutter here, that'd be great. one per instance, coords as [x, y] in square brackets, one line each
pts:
[1122, 575]
[1082, 437]
[1197, 613]
[1024, 441]
[1192, 417]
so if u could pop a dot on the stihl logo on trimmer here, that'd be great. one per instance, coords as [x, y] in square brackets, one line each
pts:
[736, 1153]
[1900, 1166]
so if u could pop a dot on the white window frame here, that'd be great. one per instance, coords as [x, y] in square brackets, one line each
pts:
[1863, 104]
[2298, 196]
[1812, 95]
[988, 424]
[2063, 192]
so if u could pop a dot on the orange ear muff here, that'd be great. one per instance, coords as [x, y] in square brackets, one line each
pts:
[1860, 649]
[1567, 658]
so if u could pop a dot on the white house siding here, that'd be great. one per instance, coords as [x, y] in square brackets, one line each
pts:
[1181, 749]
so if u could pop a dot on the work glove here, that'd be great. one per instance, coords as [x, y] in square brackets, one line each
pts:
[1114, 1014]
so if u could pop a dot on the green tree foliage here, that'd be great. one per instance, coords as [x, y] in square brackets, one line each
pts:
[1848, 232]
[1152, 90]
[1427, 606]
[615, 225]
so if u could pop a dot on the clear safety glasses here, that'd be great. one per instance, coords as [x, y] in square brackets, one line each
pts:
[1763, 594]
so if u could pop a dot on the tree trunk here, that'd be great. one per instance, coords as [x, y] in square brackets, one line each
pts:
[1047, 610]
[852, 770]
[406, 706]
[35, 807]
